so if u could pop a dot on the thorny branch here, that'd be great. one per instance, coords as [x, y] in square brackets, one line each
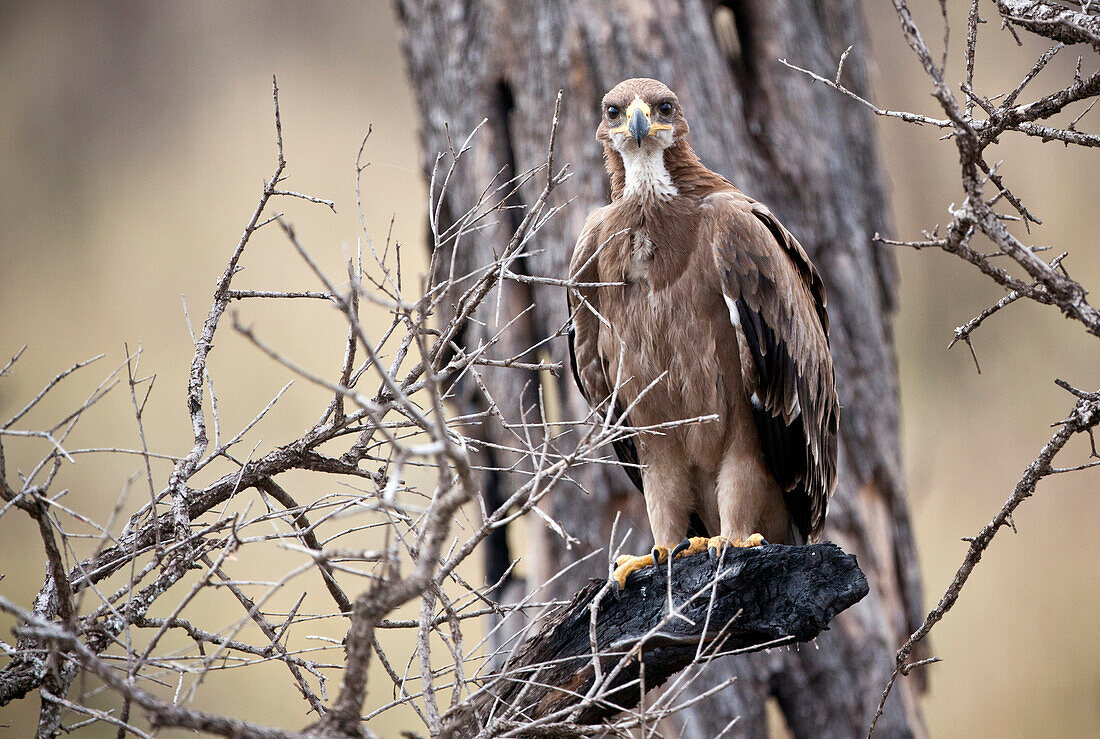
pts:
[975, 122]
[92, 613]
[392, 462]
[1083, 419]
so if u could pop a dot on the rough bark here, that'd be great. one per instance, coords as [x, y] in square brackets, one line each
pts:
[750, 599]
[806, 152]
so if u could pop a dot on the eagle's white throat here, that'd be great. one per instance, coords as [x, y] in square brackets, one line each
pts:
[646, 174]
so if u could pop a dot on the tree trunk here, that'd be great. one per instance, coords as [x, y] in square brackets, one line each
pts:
[804, 150]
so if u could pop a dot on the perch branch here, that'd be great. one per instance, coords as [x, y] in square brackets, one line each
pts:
[752, 599]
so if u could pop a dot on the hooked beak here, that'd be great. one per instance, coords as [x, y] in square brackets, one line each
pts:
[638, 122]
[638, 125]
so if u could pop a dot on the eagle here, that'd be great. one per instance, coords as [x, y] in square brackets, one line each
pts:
[690, 299]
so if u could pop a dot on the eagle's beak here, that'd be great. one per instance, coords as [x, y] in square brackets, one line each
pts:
[639, 122]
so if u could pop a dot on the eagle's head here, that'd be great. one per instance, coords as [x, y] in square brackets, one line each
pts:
[640, 113]
[640, 122]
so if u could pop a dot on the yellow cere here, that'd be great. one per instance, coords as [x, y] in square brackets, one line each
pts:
[635, 105]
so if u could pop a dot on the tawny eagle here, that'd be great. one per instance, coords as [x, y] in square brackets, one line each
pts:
[717, 311]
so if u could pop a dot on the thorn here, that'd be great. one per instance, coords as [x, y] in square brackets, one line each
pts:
[974, 355]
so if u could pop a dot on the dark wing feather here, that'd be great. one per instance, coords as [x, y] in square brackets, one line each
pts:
[625, 449]
[783, 441]
[777, 301]
[628, 455]
[584, 358]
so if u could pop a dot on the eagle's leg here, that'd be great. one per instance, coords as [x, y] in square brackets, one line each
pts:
[751, 508]
[666, 484]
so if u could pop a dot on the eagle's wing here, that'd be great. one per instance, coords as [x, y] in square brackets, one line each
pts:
[776, 301]
[589, 367]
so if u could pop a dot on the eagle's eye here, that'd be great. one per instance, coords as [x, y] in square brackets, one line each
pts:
[665, 108]
[612, 112]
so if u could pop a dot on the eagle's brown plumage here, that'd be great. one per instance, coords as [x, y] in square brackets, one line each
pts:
[720, 312]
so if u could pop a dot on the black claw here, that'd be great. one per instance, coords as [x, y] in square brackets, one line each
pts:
[656, 554]
[680, 547]
[712, 553]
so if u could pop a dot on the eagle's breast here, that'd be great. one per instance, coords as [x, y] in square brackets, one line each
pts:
[661, 328]
[641, 256]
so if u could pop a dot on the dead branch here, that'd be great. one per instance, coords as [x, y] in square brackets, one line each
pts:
[92, 614]
[1083, 419]
[1054, 21]
[753, 599]
[975, 125]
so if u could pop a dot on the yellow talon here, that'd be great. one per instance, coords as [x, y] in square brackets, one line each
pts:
[717, 543]
[755, 540]
[627, 564]
[696, 544]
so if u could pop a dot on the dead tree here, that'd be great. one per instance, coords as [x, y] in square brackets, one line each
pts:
[796, 146]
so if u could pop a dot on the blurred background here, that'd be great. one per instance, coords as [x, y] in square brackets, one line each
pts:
[134, 138]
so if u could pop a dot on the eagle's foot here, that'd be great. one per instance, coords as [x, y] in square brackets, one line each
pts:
[691, 546]
[626, 564]
[716, 544]
[754, 540]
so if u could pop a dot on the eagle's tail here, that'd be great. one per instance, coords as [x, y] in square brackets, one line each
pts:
[794, 534]
[696, 527]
